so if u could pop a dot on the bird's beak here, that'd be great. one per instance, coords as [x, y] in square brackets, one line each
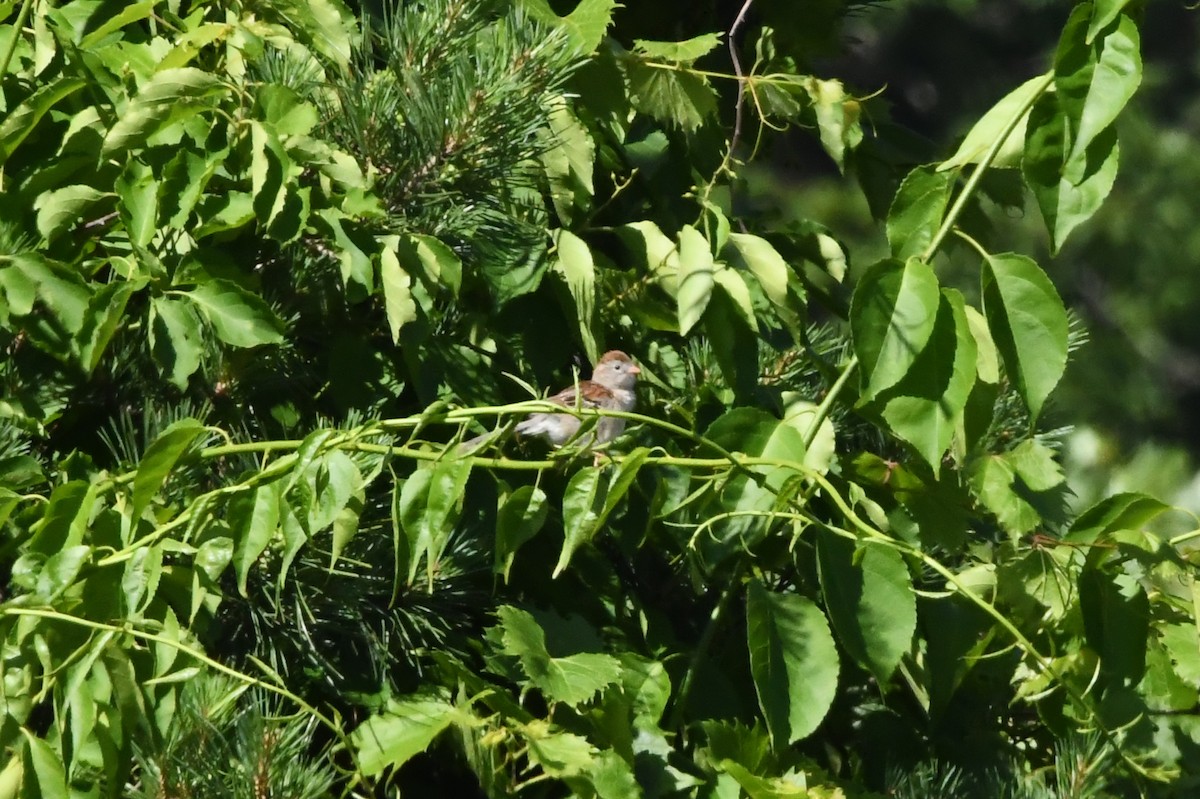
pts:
[634, 370]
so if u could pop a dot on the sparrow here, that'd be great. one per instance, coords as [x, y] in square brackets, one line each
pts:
[611, 388]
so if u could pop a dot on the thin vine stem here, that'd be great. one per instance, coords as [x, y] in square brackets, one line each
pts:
[827, 403]
[22, 16]
[195, 654]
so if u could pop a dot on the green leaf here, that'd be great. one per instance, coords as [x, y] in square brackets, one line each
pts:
[430, 505]
[160, 459]
[425, 255]
[60, 572]
[585, 26]
[695, 277]
[1065, 205]
[227, 211]
[60, 210]
[134, 12]
[273, 185]
[757, 434]
[1094, 83]
[1127, 511]
[734, 342]
[1034, 463]
[1103, 13]
[254, 517]
[583, 506]
[1071, 149]
[568, 162]
[287, 113]
[397, 292]
[685, 51]
[65, 520]
[171, 94]
[141, 577]
[610, 776]
[589, 499]
[769, 269]
[793, 662]
[25, 117]
[346, 522]
[658, 254]
[734, 287]
[837, 118]
[240, 319]
[560, 754]
[892, 315]
[680, 99]
[989, 127]
[405, 729]
[993, 481]
[793, 785]
[1116, 620]
[105, 312]
[519, 519]
[800, 414]
[335, 490]
[175, 338]
[29, 277]
[924, 408]
[989, 356]
[137, 192]
[869, 596]
[572, 680]
[1028, 323]
[573, 260]
[46, 777]
[917, 211]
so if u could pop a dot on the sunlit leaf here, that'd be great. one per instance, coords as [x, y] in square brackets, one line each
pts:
[239, 318]
[160, 459]
[397, 292]
[23, 119]
[677, 98]
[695, 277]
[573, 679]
[519, 519]
[793, 662]
[892, 316]
[404, 729]
[685, 51]
[573, 260]
[169, 94]
[585, 25]
[924, 408]
[569, 162]
[917, 211]
[430, 505]
[59, 211]
[137, 192]
[984, 133]
[1125, 511]
[870, 600]
[254, 517]
[175, 338]
[105, 313]
[583, 506]
[1028, 323]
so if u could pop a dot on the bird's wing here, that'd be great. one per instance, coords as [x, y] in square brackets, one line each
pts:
[592, 395]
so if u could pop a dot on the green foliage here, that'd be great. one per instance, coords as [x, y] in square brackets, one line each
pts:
[264, 268]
